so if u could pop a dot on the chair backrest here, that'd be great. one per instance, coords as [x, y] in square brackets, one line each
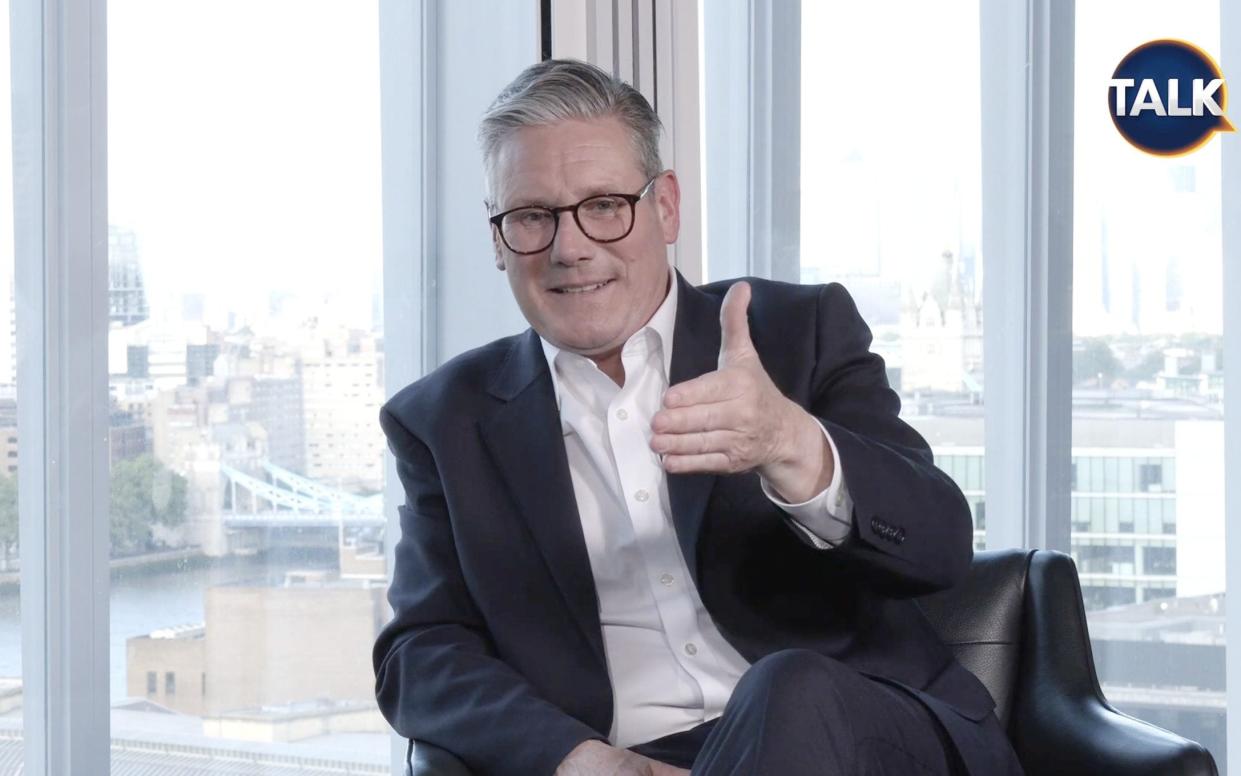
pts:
[980, 620]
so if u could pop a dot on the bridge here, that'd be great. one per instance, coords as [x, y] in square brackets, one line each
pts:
[286, 499]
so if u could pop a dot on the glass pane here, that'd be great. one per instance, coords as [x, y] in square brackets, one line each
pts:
[895, 219]
[246, 366]
[10, 590]
[1147, 331]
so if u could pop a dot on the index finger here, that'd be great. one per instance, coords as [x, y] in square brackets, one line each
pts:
[704, 389]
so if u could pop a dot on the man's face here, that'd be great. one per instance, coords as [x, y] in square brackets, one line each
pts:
[561, 164]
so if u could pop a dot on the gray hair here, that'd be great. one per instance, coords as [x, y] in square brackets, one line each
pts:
[560, 89]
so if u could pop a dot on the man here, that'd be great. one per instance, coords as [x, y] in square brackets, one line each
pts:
[666, 527]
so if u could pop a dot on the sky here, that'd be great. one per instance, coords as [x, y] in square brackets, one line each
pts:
[244, 147]
[891, 158]
[244, 144]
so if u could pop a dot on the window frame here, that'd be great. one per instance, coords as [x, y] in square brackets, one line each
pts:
[58, 51]
[1230, 209]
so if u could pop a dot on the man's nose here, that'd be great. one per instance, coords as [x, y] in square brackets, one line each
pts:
[571, 244]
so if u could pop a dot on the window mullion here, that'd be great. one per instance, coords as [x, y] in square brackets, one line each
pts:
[1230, 209]
[1003, 29]
[60, 202]
[1049, 275]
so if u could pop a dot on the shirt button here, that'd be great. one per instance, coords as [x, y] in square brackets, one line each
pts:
[642, 495]
[666, 580]
[691, 649]
[621, 414]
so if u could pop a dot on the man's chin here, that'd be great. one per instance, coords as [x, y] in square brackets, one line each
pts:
[591, 346]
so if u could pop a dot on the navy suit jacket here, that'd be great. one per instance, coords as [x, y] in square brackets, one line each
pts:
[495, 651]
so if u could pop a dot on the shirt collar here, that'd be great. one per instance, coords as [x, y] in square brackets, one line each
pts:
[662, 322]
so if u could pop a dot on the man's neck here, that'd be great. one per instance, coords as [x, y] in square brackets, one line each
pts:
[611, 365]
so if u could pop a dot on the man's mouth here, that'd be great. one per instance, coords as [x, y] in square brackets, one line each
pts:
[581, 289]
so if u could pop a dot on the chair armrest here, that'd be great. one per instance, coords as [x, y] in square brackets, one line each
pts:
[1061, 723]
[429, 760]
[1093, 739]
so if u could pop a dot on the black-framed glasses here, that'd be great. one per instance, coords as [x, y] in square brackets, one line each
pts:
[604, 218]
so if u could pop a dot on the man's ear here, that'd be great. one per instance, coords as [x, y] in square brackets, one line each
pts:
[668, 205]
[498, 247]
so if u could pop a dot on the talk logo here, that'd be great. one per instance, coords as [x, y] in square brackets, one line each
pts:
[1168, 97]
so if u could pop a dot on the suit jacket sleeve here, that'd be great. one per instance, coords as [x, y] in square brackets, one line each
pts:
[437, 677]
[912, 532]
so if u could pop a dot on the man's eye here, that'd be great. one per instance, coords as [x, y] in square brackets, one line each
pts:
[532, 217]
[602, 206]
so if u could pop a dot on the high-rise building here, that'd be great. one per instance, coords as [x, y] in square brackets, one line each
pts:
[342, 389]
[127, 297]
[200, 361]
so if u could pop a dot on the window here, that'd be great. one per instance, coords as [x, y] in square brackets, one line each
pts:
[1151, 476]
[894, 222]
[1147, 321]
[244, 201]
[152, 682]
[11, 635]
[1160, 560]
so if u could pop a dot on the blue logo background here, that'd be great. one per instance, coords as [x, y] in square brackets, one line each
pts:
[1161, 60]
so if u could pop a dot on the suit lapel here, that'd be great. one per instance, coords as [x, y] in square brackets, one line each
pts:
[695, 351]
[525, 439]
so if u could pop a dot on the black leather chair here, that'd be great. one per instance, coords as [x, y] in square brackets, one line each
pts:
[1018, 623]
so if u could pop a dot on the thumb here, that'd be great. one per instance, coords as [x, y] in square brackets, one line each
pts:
[735, 341]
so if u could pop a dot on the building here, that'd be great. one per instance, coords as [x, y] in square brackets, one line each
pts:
[342, 390]
[127, 435]
[267, 656]
[8, 436]
[941, 335]
[200, 361]
[167, 666]
[1142, 528]
[276, 405]
[127, 296]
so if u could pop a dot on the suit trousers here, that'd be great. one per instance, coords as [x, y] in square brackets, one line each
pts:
[796, 712]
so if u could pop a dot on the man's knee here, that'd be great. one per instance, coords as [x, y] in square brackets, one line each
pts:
[794, 671]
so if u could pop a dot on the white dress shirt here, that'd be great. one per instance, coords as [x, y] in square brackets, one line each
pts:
[670, 667]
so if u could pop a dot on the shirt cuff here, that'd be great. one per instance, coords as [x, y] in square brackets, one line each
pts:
[826, 518]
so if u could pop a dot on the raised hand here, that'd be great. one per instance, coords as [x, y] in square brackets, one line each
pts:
[735, 419]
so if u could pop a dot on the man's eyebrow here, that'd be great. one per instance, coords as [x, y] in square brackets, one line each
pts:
[593, 191]
[517, 202]
[607, 188]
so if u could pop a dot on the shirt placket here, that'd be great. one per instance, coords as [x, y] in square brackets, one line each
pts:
[645, 495]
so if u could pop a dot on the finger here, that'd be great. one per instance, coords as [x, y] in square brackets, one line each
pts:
[734, 325]
[718, 463]
[695, 417]
[704, 389]
[695, 443]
